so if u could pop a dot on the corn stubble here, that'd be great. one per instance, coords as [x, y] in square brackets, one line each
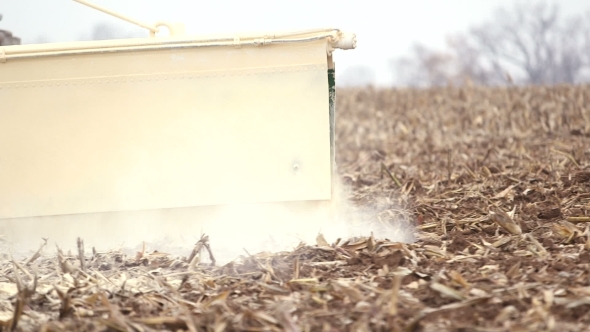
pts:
[495, 180]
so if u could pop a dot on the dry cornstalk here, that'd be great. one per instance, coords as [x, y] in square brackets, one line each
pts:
[394, 301]
[24, 292]
[37, 253]
[503, 220]
[391, 175]
[195, 256]
[80, 243]
[579, 219]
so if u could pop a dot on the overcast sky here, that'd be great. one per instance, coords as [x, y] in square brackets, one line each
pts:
[385, 29]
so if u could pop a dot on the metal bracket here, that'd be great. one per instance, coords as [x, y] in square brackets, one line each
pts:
[176, 29]
[343, 41]
[261, 41]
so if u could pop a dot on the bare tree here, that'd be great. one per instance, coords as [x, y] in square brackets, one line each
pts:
[357, 76]
[6, 37]
[424, 67]
[528, 44]
[531, 42]
[466, 62]
[104, 31]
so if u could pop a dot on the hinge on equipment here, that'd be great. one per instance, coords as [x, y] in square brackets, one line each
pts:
[2, 55]
[261, 41]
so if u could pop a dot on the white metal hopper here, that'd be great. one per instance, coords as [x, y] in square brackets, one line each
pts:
[138, 139]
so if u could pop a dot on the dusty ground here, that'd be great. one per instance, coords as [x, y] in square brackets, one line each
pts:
[497, 182]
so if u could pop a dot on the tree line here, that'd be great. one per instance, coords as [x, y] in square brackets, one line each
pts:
[530, 43]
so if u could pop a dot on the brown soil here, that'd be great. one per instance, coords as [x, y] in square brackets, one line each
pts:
[496, 181]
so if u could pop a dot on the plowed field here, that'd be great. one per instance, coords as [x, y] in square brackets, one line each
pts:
[495, 181]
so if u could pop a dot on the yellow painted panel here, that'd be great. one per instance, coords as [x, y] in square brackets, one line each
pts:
[164, 129]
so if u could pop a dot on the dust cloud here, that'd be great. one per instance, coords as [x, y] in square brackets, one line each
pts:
[233, 231]
[240, 229]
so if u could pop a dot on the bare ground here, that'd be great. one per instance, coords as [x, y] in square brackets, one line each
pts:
[496, 181]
